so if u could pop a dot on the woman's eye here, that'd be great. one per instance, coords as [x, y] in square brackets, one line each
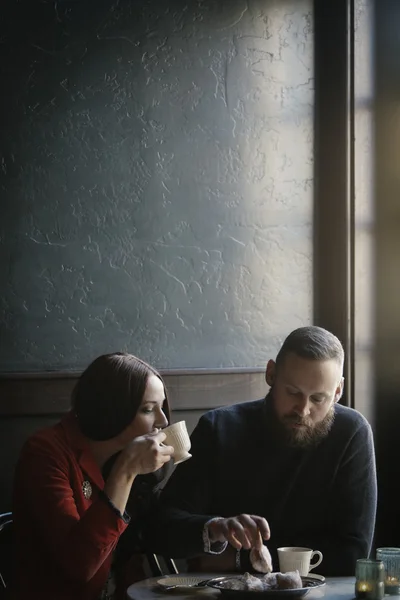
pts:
[147, 411]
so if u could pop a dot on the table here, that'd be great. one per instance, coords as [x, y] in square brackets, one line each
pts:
[336, 588]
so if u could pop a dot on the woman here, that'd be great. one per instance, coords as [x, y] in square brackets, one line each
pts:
[74, 480]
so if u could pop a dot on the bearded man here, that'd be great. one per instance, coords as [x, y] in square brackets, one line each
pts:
[293, 469]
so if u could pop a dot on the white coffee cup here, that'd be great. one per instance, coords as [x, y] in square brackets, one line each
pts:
[177, 436]
[292, 558]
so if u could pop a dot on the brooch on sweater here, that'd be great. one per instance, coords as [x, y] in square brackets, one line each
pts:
[87, 489]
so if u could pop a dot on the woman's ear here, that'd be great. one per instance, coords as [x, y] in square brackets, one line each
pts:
[270, 372]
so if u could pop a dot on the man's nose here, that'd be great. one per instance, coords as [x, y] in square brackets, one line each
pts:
[302, 407]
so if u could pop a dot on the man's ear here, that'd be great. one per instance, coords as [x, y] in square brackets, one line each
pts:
[270, 372]
[339, 390]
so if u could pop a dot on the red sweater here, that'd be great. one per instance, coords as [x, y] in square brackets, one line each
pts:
[64, 540]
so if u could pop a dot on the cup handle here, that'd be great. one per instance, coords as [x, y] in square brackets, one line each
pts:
[319, 560]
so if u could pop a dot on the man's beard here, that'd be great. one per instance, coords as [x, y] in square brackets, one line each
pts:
[310, 434]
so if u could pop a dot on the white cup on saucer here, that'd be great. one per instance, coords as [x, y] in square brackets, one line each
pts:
[296, 558]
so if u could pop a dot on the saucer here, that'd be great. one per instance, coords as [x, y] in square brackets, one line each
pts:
[181, 582]
[317, 577]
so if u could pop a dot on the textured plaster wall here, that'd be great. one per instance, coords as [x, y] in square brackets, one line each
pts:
[156, 180]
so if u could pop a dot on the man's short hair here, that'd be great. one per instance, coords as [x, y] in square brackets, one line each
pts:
[313, 343]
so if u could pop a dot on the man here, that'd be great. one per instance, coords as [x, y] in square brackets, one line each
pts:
[296, 468]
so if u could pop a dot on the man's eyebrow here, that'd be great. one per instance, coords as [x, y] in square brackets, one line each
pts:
[320, 394]
[291, 384]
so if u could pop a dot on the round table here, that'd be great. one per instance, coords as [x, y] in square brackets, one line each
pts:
[336, 588]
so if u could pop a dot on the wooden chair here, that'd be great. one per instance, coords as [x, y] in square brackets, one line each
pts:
[155, 564]
[6, 539]
[158, 565]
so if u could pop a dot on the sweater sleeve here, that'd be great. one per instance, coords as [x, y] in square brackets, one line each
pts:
[177, 528]
[79, 544]
[354, 499]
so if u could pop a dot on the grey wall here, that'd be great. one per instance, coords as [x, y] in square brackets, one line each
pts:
[156, 180]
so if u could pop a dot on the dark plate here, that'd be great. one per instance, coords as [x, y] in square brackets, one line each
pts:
[308, 584]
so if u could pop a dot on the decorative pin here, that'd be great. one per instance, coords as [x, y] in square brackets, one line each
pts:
[87, 489]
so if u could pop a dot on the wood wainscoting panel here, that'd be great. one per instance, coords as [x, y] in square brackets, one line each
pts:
[31, 401]
[50, 393]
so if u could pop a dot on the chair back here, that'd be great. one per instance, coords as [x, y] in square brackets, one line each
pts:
[6, 550]
[156, 565]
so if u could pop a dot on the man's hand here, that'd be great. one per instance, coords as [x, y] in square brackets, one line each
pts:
[243, 531]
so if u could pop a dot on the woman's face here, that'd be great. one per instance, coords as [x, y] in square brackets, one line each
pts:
[150, 414]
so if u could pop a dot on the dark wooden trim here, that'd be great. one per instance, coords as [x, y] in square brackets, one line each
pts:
[34, 394]
[332, 256]
[164, 372]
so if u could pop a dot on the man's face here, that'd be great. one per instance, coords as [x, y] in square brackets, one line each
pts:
[304, 393]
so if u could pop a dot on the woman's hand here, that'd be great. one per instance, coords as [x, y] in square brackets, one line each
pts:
[145, 454]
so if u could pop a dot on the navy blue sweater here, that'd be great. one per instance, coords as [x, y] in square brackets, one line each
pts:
[322, 497]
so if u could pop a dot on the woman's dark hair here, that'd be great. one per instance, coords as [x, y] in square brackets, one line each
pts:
[109, 392]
